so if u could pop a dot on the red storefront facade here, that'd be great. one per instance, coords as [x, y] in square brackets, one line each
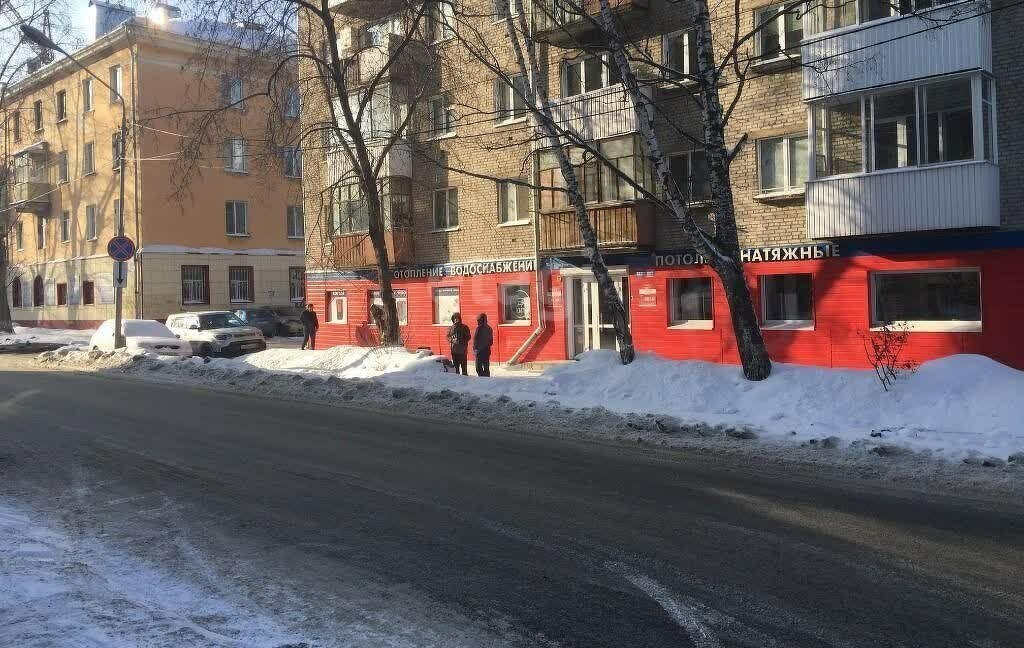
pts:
[846, 282]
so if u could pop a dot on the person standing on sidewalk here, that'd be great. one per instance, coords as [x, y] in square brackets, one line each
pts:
[483, 340]
[458, 338]
[310, 324]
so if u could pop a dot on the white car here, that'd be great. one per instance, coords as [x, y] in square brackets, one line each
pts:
[216, 333]
[141, 335]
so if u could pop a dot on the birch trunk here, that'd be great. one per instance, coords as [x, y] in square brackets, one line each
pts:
[722, 251]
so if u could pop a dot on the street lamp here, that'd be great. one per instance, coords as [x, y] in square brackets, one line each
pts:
[42, 40]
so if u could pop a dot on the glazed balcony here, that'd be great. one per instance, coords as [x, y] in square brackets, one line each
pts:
[570, 23]
[366, 9]
[598, 114]
[624, 226]
[31, 197]
[371, 59]
[356, 250]
[947, 39]
[953, 196]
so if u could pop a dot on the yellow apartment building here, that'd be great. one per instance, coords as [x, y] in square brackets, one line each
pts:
[221, 233]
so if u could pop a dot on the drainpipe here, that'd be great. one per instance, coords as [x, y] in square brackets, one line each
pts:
[538, 272]
[140, 304]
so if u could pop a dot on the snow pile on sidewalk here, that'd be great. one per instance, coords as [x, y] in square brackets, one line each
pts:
[60, 590]
[27, 335]
[341, 361]
[72, 356]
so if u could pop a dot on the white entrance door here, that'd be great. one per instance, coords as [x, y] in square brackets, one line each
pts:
[590, 327]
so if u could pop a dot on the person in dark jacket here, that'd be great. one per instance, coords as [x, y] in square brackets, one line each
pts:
[310, 324]
[483, 340]
[458, 338]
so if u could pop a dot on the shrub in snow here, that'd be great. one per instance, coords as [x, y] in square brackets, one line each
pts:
[883, 348]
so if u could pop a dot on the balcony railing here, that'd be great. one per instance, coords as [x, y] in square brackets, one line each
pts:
[892, 50]
[366, 9]
[625, 226]
[954, 196]
[30, 197]
[607, 112]
[356, 250]
[567, 23]
[398, 162]
[370, 61]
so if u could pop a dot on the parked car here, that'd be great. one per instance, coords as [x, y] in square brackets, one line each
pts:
[261, 317]
[288, 322]
[141, 335]
[216, 333]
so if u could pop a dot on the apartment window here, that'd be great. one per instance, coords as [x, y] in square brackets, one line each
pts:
[90, 222]
[62, 294]
[779, 31]
[350, 211]
[86, 95]
[679, 52]
[232, 92]
[440, 21]
[16, 126]
[929, 123]
[88, 293]
[292, 160]
[240, 284]
[935, 300]
[62, 105]
[236, 157]
[88, 160]
[115, 82]
[446, 304]
[337, 306]
[786, 301]
[63, 173]
[296, 284]
[446, 208]
[294, 224]
[690, 303]
[40, 232]
[195, 284]
[691, 174]
[782, 163]
[116, 152]
[510, 98]
[826, 15]
[513, 203]
[597, 182]
[37, 115]
[504, 8]
[401, 304]
[515, 304]
[442, 119]
[16, 293]
[38, 291]
[65, 226]
[237, 215]
[19, 236]
[588, 74]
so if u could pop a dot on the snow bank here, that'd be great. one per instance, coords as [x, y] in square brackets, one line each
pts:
[28, 335]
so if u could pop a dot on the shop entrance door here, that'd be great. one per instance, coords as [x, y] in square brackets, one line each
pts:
[591, 328]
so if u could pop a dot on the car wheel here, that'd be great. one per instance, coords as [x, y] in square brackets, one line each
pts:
[205, 351]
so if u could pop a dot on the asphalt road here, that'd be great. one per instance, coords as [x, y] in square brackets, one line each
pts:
[368, 529]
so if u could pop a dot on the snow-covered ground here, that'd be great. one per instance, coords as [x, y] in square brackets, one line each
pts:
[27, 335]
[59, 590]
[962, 407]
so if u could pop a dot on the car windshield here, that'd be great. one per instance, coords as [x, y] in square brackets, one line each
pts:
[286, 311]
[219, 320]
[259, 314]
[146, 329]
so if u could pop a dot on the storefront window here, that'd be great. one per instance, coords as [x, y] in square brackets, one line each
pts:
[786, 301]
[401, 304]
[446, 304]
[337, 306]
[690, 301]
[515, 304]
[935, 300]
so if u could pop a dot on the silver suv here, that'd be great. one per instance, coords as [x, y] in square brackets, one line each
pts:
[216, 333]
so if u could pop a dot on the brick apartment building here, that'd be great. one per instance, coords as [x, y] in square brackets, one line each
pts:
[878, 178]
[233, 236]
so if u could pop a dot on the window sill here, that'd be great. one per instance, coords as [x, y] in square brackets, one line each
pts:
[61, 121]
[522, 324]
[239, 235]
[91, 240]
[511, 122]
[788, 325]
[293, 177]
[924, 326]
[442, 230]
[784, 194]
[236, 171]
[777, 63]
[692, 325]
[516, 223]
[235, 301]
[90, 173]
[443, 136]
[297, 238]
[680, 85]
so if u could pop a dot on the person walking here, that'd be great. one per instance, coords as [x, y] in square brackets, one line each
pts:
[483, 340]
[458, 338]
[310, 324]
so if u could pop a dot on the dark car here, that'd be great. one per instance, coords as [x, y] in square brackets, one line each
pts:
[288, 323]
[262, 317]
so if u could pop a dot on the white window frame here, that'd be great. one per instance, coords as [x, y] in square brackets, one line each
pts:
[445, 292]
[299, 295]
[192, 286]
[294, 213]
[401, 296]
[439, 105]
[514, 200]
[87, 104]
[689, 165]
[292, 103]
[61, 106]
[673, 302]
[441, 22]
[234, 230]
[788, 51]
[860, 15]
[65, 226]
[63, 168]
[784, 325]
[927, 326]
[505, 98]
[88, 158]
[503, 299]
[336, 299]
[291, 161]
[233, 92]
[90, 223]
[236, 285]
[447, 226]
[689, 42]
[115, 82]
[787, 165]
[513, 8]
[236, 154]
[606, 78]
